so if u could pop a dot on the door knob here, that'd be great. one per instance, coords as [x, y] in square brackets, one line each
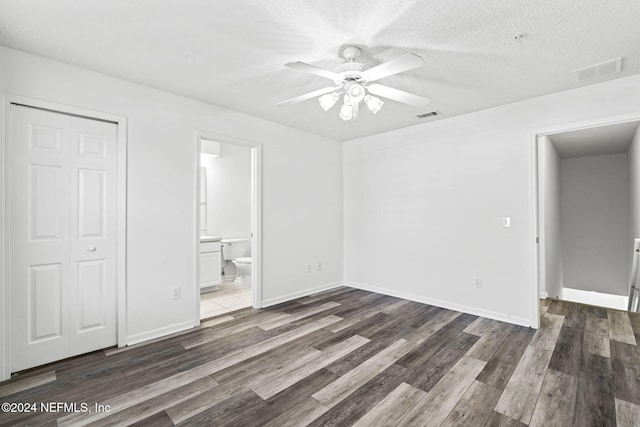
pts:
[91, 248]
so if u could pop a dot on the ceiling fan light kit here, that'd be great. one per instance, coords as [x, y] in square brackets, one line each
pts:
[374, 104]
[353, 79]
[346, 111]
[355, 91]
[327, 101]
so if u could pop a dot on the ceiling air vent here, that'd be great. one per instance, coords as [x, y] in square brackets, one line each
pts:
[598, 70]
[429, 114]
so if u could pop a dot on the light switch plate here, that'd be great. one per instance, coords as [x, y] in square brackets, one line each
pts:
[506, 222]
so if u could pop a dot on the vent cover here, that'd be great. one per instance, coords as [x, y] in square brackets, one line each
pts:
[429, 114]
[598, 70]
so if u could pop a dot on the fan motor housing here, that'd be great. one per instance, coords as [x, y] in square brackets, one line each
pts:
[350, 71]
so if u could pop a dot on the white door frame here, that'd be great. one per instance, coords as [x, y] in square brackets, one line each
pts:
[256, 214]
[5, 227]
[534, 193]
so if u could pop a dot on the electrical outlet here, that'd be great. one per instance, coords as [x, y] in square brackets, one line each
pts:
[319, 266]
[477, 282]
[176, 293]
[308, 268]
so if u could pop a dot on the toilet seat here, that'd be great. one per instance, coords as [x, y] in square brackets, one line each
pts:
[243, 260]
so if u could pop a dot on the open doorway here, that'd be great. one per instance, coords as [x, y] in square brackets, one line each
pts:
[228, 225]
[588, 195]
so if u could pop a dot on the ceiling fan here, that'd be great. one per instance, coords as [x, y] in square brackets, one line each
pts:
[352, 79]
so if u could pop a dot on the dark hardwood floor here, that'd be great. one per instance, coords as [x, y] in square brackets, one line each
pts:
[349, 357]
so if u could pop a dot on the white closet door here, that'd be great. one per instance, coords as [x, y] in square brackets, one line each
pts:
[62, 200]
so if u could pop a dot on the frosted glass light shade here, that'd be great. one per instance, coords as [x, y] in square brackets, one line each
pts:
[327, 101]
[356, 92]
[373, 103]
[346, 112]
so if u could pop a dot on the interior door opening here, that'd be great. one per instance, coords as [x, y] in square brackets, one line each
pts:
[588, 198]
[228, 225]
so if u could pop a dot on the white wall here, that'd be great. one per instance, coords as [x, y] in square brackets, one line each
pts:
[595, 223]
[3, 71]
[550, 219]
[302, 186]
[634, 186]
[423, 205]
[229, 192]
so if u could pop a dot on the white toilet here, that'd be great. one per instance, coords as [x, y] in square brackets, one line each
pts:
[238, 251]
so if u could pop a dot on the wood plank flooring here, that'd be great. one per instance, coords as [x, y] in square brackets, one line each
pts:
[350, 357]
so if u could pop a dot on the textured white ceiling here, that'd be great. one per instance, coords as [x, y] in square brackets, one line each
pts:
[610, 139]
[231, 53]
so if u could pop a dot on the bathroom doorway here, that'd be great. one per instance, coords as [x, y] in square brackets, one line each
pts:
[587, 212]
[228, 225]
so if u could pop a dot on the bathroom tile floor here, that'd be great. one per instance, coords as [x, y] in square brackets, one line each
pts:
[228, 297]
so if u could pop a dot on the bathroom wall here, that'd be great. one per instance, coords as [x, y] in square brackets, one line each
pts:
[301, 190]
[550, 219]
[423, 205]
[229, 192]
[594, 197]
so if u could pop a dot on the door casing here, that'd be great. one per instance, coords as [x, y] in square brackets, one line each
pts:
[256, 214]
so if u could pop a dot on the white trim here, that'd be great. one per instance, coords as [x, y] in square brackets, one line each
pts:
[618, 302]
[522, 321]
[256, 225]
[159, 332]
[544, 295]
[196, 253]
[632, 297]
[540, 225]
[5, 354]
[587, 124]
[121, 215]
[299, 294]
[534, 233]
[121, 231]
[533, 190]
[256, 215]
[63, 108]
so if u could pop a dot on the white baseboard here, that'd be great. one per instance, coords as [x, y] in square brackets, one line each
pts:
[157, 333]
[300, 294]
[618, 302]
[444, 304]
[544, 295]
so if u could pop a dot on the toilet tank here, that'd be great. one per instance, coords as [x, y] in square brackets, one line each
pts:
[235, 248]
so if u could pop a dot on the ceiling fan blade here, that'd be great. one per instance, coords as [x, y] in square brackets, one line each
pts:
[309, 95]
[400, 64]
[313, 70]
[398, 95]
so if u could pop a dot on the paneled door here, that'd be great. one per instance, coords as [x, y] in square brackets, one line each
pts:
[62, 201]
